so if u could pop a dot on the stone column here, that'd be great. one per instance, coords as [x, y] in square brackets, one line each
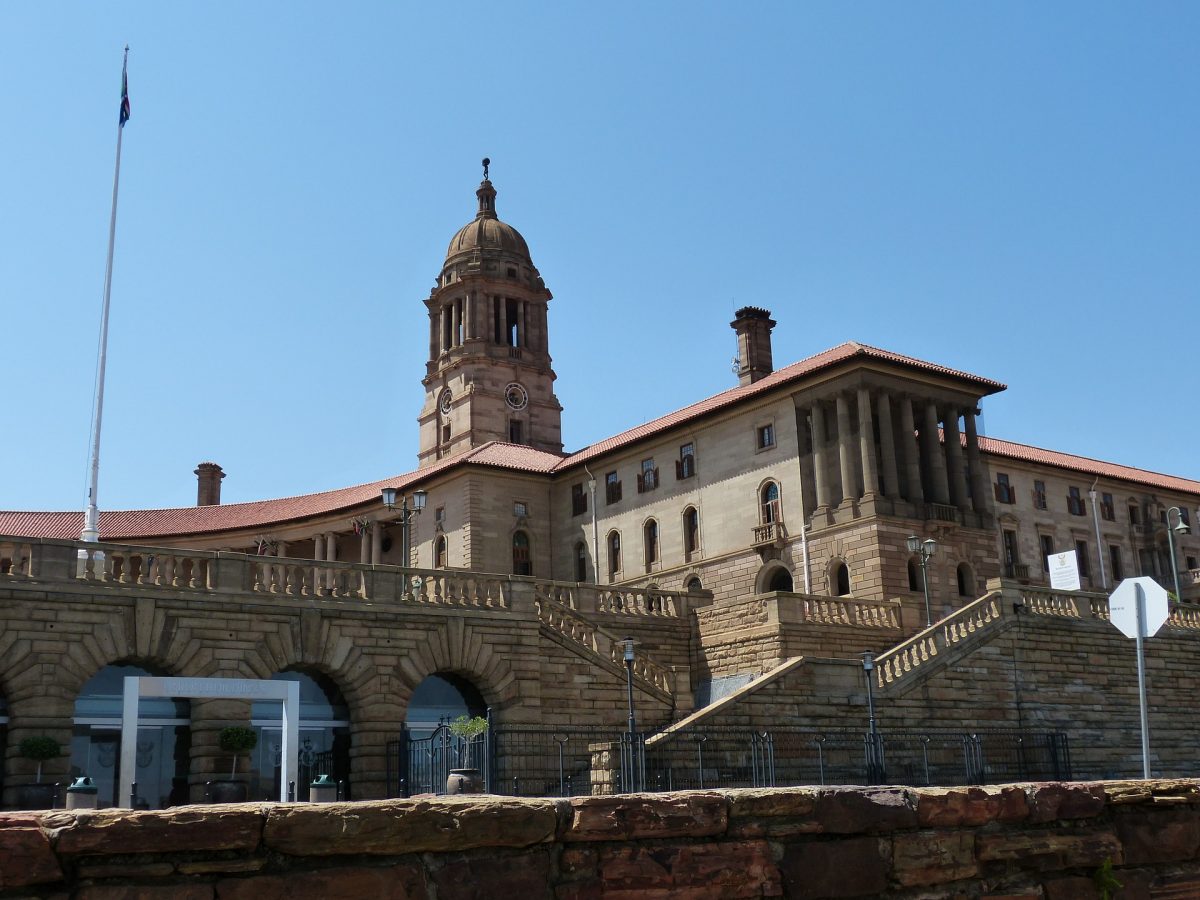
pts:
[456, 323]
[845, 450]
[820, 461]
[954, 461]
[912, 457]
[435, 322]
[319, 547]
[939, 487]
[887, 440]
[979, 481]
[330, 556]
[866, 443]
[376, 543]
[364, 544]
[523, 328]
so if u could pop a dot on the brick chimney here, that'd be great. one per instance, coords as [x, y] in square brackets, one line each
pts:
[208, 484]
[753, 326]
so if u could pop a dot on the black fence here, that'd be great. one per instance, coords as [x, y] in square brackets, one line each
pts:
[545, 761]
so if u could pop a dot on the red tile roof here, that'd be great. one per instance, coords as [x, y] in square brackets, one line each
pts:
[1085, 465]
[839, 354]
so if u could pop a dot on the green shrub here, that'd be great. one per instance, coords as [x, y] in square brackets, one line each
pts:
[39, 749]
[237, 739]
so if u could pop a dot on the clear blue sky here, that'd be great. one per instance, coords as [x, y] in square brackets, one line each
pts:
[1007, 188]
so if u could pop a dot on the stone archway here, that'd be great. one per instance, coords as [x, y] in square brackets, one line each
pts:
[774, 576]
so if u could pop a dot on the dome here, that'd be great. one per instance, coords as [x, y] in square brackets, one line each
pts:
[486, 232]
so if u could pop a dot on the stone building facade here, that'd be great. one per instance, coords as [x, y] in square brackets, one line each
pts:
[757, 527]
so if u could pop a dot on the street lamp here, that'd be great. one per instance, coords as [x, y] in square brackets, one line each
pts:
[406, 514]
[926, 549]
[630, 761]
[874, 745]
[1182, 528]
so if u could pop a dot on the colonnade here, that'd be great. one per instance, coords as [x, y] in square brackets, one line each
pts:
[476, 315]
[867, 443]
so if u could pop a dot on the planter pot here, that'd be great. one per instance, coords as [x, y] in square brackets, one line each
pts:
[36, 796]
[228, 792]
[464, 781]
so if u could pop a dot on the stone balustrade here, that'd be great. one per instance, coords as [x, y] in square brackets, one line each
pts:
[580, 630]
[129, 564]
[590, 598]
[15, 555]
[791, 608]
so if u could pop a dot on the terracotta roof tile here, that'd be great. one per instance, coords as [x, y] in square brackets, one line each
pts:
[786, 375]
[1095, 467]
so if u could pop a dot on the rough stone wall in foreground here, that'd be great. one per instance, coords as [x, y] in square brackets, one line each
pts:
[1018, 842]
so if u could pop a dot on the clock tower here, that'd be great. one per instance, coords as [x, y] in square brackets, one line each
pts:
[488, 377]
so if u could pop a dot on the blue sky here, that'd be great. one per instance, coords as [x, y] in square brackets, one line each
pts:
[1009, 189]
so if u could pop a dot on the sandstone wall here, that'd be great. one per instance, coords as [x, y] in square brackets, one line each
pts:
[1017, 842]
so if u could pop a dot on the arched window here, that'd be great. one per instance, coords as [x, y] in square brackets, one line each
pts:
[581, 561]
[614, 553]
[439, 552]
[839, 579]
[769, 501]
[650, 541]
[966, 581]
[691, 532]
[693, 585]
[781, 580]
[914, 574]
[520, 549]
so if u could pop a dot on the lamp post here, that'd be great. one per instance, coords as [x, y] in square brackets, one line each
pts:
[406, 514]
[874, 746]
[925, 549]
[630, 760]
[1182, 528]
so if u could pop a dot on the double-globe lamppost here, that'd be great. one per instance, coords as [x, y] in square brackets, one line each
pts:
[406, 514]
[925, 549]
[1182, 528]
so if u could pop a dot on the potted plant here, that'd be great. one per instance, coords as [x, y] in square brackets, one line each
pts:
[235, 739]
[39, 749]
[466, 779]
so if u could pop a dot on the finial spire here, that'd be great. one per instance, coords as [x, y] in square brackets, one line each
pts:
[486, 195]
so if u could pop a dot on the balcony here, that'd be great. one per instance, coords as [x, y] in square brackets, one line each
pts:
[1020, 571]
[769, 533]
[941, 512]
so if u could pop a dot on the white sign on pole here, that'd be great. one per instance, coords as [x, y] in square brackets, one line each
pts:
[1122, 606]
[1064, 571]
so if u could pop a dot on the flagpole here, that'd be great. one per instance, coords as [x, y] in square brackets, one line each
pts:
[91, 516]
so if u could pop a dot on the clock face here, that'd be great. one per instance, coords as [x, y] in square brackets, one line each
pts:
[515, 396]
[444, 402]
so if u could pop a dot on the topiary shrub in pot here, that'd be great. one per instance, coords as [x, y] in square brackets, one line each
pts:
[466, 779]
[235, 739]
[39, 749]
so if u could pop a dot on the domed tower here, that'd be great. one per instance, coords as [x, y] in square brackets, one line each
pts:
[488, 377]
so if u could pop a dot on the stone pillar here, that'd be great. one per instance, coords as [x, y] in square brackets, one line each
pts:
[376, 543]
[820, 461]
[523, 326]
[364, 544]
[887, 440]
[435, 321]
[866, 443]
[939, 486]
[912, 452]
[456, 323]
[954, 461]
[319, 547]
[845, 450]
[979, 480]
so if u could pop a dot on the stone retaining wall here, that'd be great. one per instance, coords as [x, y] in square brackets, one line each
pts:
[1018, 842]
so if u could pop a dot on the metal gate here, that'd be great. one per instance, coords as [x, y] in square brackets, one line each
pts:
[423, 765]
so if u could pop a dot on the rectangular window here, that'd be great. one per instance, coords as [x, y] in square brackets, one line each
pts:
[1039, 495]
[647, 479]
[1081, 557]
[1075, 502]
[515, 432]
[1183, 516]
[612, 488]
[1135, 515]
[1011, 554]
[1114, 559]
[439, 514]
[1108, 512]
[520, 509]
[685, 466]
[1004, 491]
[1191, 562]
[765, 436]
[1047, 551]
[579, 499]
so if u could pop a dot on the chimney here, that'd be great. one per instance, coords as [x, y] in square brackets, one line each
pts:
[208, 484]
[753, 326]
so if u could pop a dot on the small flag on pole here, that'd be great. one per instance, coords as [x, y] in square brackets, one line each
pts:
[125, 90]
